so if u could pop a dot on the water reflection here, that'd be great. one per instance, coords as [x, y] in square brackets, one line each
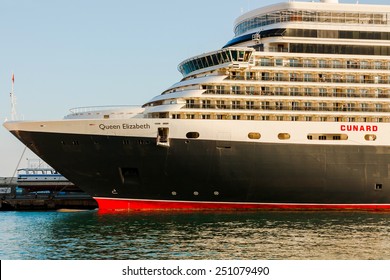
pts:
[198, 235]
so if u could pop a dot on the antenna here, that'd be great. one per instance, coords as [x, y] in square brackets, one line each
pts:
[13, 100]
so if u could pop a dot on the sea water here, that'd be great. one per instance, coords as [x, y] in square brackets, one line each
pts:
[195, 235]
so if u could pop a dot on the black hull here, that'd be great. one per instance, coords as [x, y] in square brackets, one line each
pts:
[211, 171]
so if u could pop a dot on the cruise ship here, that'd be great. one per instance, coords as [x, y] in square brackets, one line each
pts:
[292, 113]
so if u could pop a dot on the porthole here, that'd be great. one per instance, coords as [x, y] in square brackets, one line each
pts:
[174, 193]
[196, 193]
[192, 135]
[370, 137]
[216, 193]
[284, 136]
[254, 135]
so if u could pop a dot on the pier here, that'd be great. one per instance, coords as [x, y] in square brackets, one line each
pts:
[42, 196]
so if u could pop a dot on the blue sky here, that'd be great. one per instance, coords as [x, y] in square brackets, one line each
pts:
[77, 53]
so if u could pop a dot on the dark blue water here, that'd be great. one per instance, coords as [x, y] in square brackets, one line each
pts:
[199, 235]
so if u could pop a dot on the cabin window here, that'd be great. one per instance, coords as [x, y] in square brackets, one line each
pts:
[190, 103]
[250, 90]
[279, 62]
[206, 104]
[254, 135]
[370, 137]
[308, 119]
[236, 90]
[284, 136]
[236, 104]
[220, 89]
[192, 135]
[250, 105]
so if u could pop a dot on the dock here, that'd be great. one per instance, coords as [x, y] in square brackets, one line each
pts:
[15, 197]
[41, 203]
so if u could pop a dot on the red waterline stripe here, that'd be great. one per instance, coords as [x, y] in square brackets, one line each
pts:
[108, 204]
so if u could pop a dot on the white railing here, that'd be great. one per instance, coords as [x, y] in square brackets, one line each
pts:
[91, 109]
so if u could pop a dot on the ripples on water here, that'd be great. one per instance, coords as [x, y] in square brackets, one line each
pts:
[199, 235]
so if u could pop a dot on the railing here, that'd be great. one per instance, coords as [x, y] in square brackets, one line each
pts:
[92, 109]
[339, 94]
[328, 65]
[276, 49]
[316, 108]
[340, 80]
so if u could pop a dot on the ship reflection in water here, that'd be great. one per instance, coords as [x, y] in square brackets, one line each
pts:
[195, 235]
